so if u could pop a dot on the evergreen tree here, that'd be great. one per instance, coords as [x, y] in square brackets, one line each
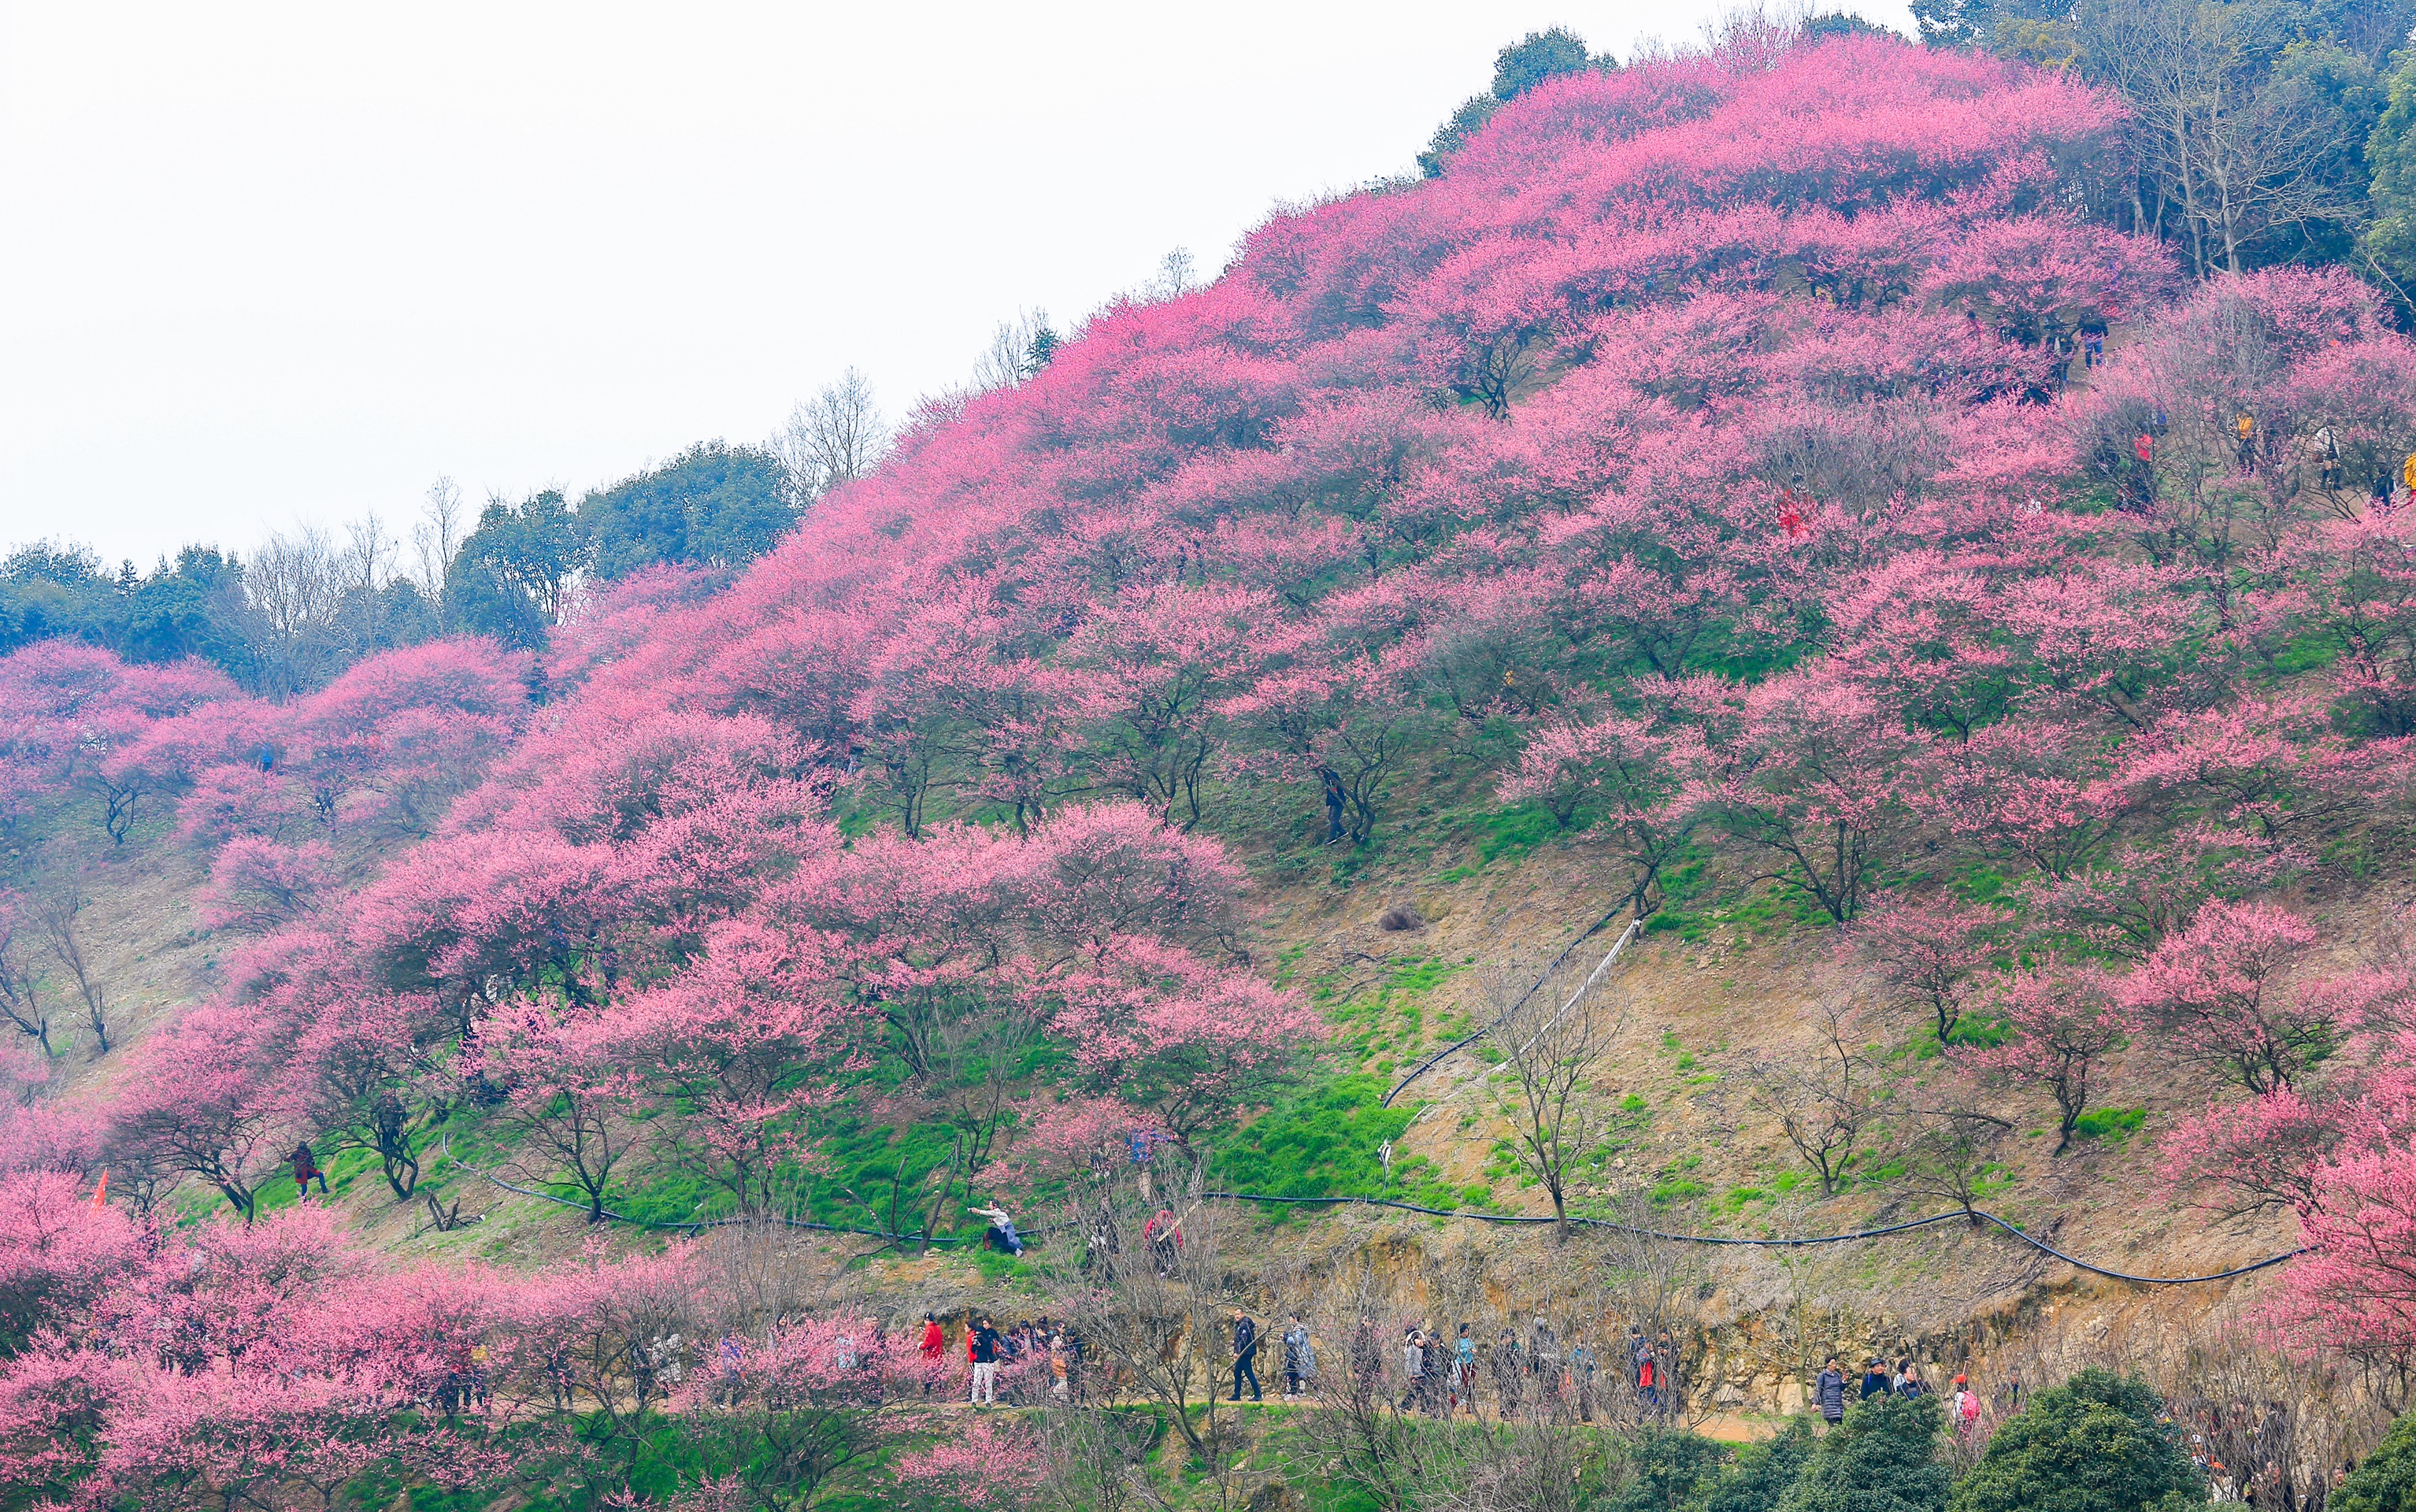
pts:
[512, 578]
[713, 505]
[1882, 1459]
[2387, 1481]
[2094, 1444]
[1669, 1465]
[1517, 68]
[1762, 1474]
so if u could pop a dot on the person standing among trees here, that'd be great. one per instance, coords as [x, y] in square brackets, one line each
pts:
[935, 1343]
[306, 1165]
[1463, 1370]
[981, 1347]
[1581, 1367]
[1245, 1349]
[1299, 1358]
[1508, 1366]
[1829, 1392]
[1875, 1380]
[1413, 1364]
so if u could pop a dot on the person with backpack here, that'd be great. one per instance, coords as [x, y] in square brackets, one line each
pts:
[1829, 1392]
[1300, 1359]
[1965, 1409]
[981, 1347]
[1245, 1349]
[1875, 1380]
[1907, 1379]
[1414, 1366]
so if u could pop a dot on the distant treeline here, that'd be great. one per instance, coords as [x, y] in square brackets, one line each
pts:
[305, 605]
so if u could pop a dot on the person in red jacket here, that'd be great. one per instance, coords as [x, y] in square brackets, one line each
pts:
[935, 1343]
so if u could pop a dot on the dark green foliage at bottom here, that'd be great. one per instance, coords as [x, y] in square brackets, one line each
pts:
[1882, 1459]
[1669, 1465]
[1762, 1474]
[2387, 1481]
[2093, 1445]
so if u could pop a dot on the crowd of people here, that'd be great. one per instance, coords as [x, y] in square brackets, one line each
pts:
[1033, 1359]
[1470, 1371]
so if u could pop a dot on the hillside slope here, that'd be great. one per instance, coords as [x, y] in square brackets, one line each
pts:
[1681, 510]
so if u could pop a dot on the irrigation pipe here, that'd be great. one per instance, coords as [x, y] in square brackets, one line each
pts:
[700, 1225]
[1438, 1057]
[1614, 1227]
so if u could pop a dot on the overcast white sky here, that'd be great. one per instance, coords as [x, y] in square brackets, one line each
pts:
[261, 263]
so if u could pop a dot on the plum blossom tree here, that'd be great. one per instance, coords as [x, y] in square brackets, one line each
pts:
[2059, 1022]
[1926, 955]
[2217, 991]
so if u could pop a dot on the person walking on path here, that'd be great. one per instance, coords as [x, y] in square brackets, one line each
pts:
[1463, 1370]
[1875, 1380]
[1414, 1366]
[1966, 1412]
[981, 1346]
[1829, 1392]
[1581, 1367]
[1245, 1349]
[934, 1344]
[1300, 1359]
[306, 1165]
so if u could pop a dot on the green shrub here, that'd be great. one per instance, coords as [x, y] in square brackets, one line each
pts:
[2093, 1445]
[1761, 1475]
[1882, 1459]
[2387, 1481]
[1667, 1465]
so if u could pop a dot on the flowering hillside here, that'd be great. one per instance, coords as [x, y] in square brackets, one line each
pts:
[1694, 463]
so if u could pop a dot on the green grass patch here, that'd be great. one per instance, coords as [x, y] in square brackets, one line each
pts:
[1323, 1143]
[2112, 1124]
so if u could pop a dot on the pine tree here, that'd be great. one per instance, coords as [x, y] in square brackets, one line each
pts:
[2092, 1444]
[1882, 1459]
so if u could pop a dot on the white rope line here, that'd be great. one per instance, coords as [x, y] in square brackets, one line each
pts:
[1583, 988]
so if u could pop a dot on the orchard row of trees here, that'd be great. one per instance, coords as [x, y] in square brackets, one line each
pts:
[2258, 134]
[282, 1366]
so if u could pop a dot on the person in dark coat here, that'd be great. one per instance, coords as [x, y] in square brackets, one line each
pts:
[1245, 1349]
[1829, 1392]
